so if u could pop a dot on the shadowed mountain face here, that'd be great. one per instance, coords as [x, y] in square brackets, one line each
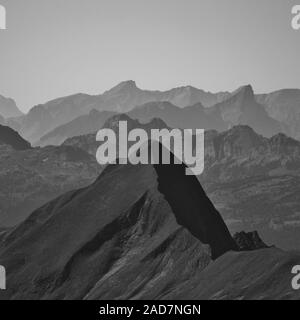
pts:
[257, 275]
[12, 139]
[85, 244]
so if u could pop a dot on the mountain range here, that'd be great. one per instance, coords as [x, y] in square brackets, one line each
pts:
[41, 119]
[138, 232]
[268, 114]
[240, 108]
[32, 176]
[150, 231]
[253, 180]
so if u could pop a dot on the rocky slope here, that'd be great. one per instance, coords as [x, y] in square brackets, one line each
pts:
[87, 245]
[257, 275]
[254, 182]
[156, 241]
[31, 177]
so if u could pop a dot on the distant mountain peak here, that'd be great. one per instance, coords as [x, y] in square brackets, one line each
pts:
[245, 91]
[8, 108]
[123, 86]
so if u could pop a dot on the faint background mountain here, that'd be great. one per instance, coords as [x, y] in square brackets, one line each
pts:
[8, 108]
[82, 125]
[238, 108]
[284, 106]
[125, 96]
[242, 109]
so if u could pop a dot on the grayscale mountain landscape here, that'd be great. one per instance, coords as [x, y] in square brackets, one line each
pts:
[150, 231]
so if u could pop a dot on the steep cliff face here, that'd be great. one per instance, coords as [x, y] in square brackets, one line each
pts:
[137, 232]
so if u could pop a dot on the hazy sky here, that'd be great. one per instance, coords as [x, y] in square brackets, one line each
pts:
[53, 48]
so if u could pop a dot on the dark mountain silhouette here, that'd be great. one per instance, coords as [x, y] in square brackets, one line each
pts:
[284, 106]
[124, 232]
[11, 138]
[8, 108]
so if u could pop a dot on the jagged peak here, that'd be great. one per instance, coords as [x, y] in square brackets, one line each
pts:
[124, 85]
[245, 91]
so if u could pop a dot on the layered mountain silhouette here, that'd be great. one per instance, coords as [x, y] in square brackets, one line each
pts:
[8, 108]
[240, 107]
[191, 117]
[125, 96]
[82, 125]
[267, 114]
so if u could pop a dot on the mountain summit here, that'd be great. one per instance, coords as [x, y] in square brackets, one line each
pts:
[137, 230]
